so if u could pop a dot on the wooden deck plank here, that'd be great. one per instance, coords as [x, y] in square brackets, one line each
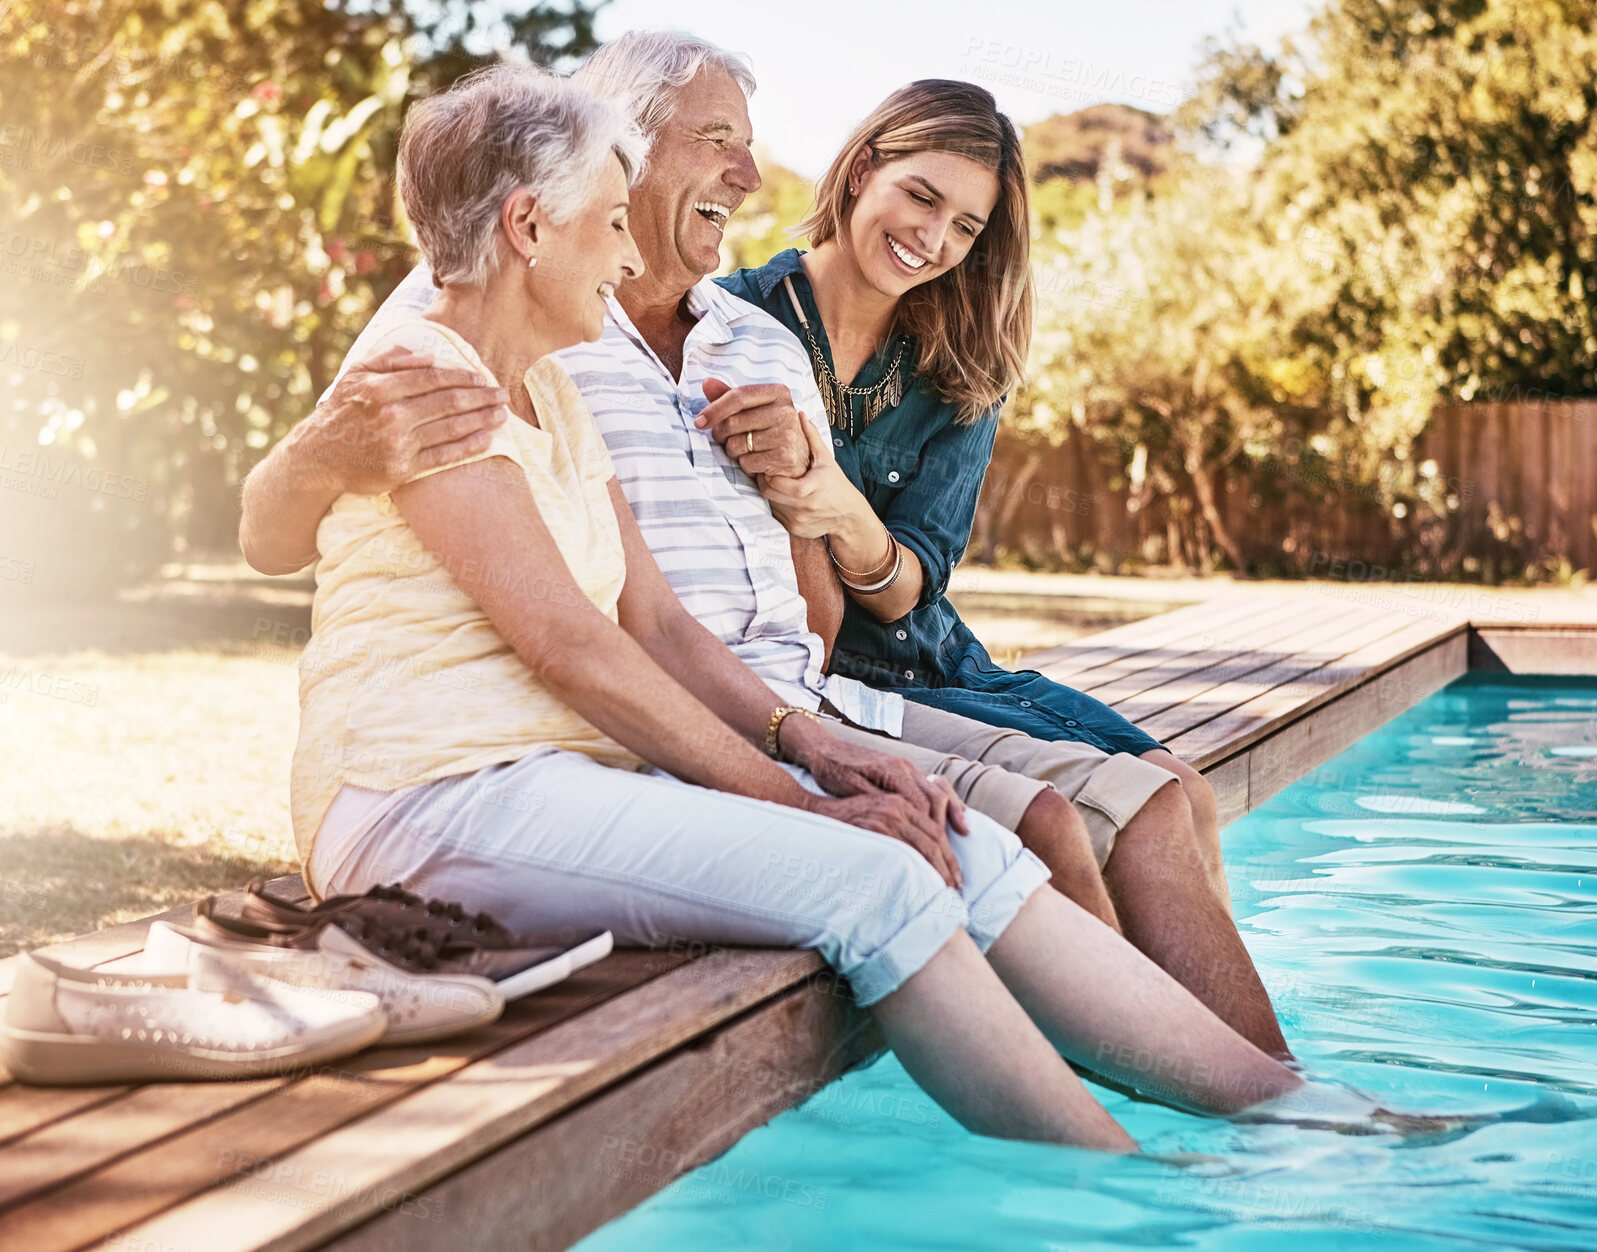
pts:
[1277, 636]
[1335, 725]
[1265, 619]
[1251, 720]
[1534, 650]
[1175, 709]
[1174, 649]
[414, 1142]
[168, 1171]
[73, 1146]
[24, 1109]
[571, 1175]
[1069, 660]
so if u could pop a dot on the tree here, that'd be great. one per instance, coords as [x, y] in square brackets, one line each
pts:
[200, 217]
[1394, 210]
[1437, 159]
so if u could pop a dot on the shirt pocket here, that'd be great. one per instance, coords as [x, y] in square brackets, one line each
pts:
[885, 468]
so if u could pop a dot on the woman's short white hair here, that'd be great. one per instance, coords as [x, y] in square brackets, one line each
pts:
[644, 69]
[511, 125]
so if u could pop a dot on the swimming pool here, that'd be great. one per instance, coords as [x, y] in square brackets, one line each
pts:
[1423, 909]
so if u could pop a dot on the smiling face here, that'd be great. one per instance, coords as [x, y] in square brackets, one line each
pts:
[581, 262]
[699, 171]
[916, 217]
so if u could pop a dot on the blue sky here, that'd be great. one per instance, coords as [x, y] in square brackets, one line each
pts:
[824, 64]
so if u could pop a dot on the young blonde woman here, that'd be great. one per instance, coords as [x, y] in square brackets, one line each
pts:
[915, 307]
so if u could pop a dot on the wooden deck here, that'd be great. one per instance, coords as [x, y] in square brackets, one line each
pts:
[589, 1097]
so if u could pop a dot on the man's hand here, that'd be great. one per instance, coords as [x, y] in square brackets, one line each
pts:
[923, 805]
[395, 416]
[819, 501]
[895, 817]
[758, 426]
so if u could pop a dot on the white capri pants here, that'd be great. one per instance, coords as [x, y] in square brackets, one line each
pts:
[556, 839]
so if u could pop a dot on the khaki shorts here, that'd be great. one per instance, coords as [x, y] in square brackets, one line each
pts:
[999, 772]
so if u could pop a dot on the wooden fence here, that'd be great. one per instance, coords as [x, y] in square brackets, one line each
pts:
[1517, 489]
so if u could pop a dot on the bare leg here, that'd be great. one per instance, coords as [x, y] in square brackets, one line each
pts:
[1205, 816]
[1109, 1008]
[1160, 885]
[970, 1045]
[1053, 829]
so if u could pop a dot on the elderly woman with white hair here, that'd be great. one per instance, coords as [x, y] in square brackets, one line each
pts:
[504, 703]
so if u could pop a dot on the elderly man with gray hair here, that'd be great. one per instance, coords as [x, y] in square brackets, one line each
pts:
[657, 384]
[565, 745]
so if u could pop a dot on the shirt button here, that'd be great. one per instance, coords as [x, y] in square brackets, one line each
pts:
[1070, 721]
[837, 440]
[892, 476]
[902, 634]
[1025, 704]
[909, 673]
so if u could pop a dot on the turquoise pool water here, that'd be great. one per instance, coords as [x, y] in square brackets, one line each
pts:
[1424, 911]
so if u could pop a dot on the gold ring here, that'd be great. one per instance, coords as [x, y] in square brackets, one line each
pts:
[749, 435]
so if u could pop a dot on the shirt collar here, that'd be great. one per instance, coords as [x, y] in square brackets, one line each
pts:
[776, 269]
[717, 311]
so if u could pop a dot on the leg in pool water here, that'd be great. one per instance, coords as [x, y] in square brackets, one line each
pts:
[1158, 876]
[966, 1041]
[1109, 1008]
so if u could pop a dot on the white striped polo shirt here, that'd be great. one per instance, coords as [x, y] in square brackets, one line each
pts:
[726, 557]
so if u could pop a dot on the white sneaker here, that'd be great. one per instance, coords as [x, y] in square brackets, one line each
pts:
[67, 1026]
[419, 1007]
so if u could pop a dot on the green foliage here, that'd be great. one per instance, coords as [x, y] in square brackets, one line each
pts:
[1395, 211]
[764, 225]
[199, 218]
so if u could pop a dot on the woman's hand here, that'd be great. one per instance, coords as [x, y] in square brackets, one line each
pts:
[819, 502]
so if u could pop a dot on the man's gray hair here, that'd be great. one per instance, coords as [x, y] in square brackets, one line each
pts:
[511, 125]
[643, 70]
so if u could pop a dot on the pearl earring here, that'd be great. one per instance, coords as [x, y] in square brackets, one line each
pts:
[531, 261]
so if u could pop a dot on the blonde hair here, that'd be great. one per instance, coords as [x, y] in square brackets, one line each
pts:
[972, 323]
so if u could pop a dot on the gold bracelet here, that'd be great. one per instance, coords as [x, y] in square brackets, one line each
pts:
[778, 716]
[863, 575]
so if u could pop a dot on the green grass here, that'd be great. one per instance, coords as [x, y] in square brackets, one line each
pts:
[147, 768]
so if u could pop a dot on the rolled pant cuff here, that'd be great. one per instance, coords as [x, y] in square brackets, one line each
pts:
[993, 910]
[883, 971]
[1114, 795]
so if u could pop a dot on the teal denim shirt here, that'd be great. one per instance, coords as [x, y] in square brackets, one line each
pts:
[921, 471]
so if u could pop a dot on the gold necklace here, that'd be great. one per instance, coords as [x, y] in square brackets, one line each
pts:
[885, 393]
